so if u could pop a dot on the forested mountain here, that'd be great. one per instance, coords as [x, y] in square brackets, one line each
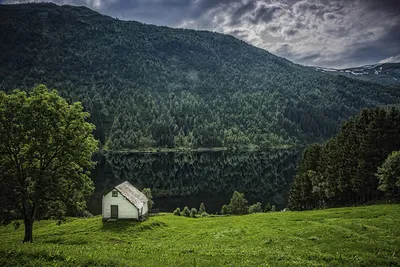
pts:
[384, 74]
[148, 86]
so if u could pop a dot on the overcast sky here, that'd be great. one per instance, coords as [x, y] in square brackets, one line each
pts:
[325, 33]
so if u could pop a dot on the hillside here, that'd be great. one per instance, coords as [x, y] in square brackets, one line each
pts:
[362, 236]
[150, 87]
[384, 74]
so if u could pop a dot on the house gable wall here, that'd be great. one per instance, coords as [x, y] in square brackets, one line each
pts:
[145, 209]
[126, 210]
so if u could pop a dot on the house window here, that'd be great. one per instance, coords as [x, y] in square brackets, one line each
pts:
[115, 193]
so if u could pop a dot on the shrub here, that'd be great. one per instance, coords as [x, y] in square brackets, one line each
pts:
[193, 213]
[150, 202]
[238, 204]
[389, 175]
[177, 212]
[186, 212]
[225, 210]
[268, 207]
[202, 208]
[255, 208]
[273, 209]
[85, 214]
[204, 214]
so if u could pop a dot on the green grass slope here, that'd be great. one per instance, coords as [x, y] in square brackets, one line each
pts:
[362, 236]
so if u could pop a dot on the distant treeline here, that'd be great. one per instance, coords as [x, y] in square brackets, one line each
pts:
[345, 169]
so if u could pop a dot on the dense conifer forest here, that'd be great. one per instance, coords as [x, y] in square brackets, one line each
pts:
[157, 87]
[345, 170]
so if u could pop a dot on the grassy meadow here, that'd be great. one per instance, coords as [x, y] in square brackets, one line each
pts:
[360, 236]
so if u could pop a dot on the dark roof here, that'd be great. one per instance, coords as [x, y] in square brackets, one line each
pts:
[132, 194]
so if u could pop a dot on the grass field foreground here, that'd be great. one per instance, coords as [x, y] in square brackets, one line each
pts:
[360, 236]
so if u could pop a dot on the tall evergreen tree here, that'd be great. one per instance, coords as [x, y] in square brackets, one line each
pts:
[342, 171]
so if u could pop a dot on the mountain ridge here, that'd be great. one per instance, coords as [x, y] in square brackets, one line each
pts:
[380, 73]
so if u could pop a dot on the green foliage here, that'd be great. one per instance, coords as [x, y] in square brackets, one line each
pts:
[86, 214]
[268, 207]
[238, 204]
[389, 175]
[273, 209]
[342, 171]
[204, 214]
[225, 210]
[193, 213]
[46, 153]
[147, 193]
[156, 87]
[202, 208]
[186, 212]
[357, 236]
[177, 212]
[255, 208]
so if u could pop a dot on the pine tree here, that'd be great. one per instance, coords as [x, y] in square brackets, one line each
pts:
[186, 212]
[193, 213]
[238, 204]
[225, 210]
[268, 207]
[202, 208]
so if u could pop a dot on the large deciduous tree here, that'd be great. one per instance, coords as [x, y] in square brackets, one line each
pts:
[45, 156]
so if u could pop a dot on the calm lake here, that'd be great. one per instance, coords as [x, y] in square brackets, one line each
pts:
[179, 179]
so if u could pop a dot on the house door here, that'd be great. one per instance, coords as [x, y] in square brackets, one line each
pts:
[114, 211]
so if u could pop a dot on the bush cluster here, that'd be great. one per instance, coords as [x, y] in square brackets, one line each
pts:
[177, 212]
[238, 206]
[191, 212]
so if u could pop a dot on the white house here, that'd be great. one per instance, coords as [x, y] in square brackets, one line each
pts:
[124, 202]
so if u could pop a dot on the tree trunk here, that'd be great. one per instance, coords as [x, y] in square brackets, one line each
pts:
[28, 231]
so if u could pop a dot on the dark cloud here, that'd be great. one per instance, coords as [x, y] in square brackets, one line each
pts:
[329, 16]
[240, 12]
[386, 5]
[240, 34]
[264, 14]
[310, 57]
[330, 33]
[290, 31]
[244, 9]
[284, 49]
